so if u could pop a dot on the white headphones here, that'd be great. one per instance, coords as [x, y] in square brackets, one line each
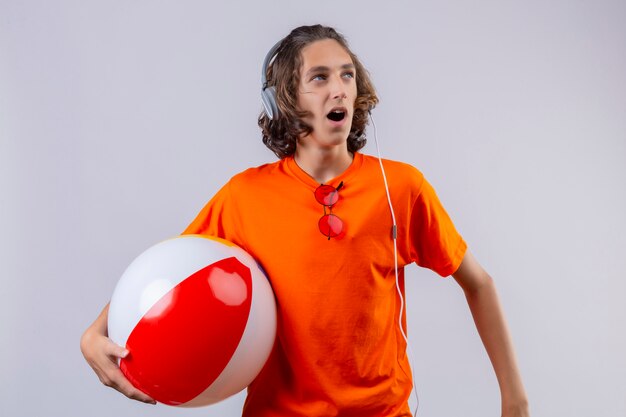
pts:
[268, 94]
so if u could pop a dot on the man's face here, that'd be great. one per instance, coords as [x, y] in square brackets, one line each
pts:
[327, 91]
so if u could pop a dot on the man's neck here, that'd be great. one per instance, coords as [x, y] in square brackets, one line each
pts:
[323, 164]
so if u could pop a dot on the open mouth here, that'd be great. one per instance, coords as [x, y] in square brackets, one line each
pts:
[336, 115]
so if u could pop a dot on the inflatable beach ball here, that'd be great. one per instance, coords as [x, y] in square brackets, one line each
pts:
[198, 318]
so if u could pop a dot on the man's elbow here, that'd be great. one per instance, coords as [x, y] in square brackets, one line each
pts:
[479, 281]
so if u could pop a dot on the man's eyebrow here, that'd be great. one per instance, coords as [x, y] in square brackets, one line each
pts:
[323, 68]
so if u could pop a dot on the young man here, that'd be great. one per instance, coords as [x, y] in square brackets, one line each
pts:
[319, 223]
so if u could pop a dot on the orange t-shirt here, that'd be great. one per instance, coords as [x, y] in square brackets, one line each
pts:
[339, 349]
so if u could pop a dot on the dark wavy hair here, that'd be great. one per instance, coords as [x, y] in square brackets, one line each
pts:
[282, 133]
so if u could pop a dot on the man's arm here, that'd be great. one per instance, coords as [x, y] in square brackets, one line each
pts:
[482, 299]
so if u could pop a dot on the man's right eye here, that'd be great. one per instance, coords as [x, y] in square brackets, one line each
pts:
[318, 77]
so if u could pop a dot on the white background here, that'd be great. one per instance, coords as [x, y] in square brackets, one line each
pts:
[120, 119]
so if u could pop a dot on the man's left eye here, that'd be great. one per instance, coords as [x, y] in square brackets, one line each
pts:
[348, 74]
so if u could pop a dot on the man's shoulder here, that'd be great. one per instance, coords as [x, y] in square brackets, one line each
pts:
[255, 175]
[398, 169]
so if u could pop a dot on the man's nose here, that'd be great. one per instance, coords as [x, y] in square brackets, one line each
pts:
[338, 88]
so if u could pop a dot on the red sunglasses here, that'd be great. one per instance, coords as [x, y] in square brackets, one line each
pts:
[329, 224]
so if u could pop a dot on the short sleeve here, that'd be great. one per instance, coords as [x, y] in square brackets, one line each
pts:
[435, 242]
[218, 218]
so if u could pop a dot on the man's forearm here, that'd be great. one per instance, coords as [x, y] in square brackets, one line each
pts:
[492, 328]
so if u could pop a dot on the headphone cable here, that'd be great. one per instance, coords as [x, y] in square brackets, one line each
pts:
[394, 232]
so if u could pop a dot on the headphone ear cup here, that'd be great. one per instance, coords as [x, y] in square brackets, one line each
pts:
[268, 97]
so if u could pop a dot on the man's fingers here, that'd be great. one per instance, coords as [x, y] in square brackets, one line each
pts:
[118, 382]
[102, 354]
[116, 379]
[133, 393]
[116, 351]
[140, 396]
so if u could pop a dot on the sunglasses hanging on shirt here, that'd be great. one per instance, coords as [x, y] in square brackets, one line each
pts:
[329, 224]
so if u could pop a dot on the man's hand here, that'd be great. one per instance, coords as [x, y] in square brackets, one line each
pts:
[103, 355]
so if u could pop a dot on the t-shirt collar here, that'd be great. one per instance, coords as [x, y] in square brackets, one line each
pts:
[305, 178]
